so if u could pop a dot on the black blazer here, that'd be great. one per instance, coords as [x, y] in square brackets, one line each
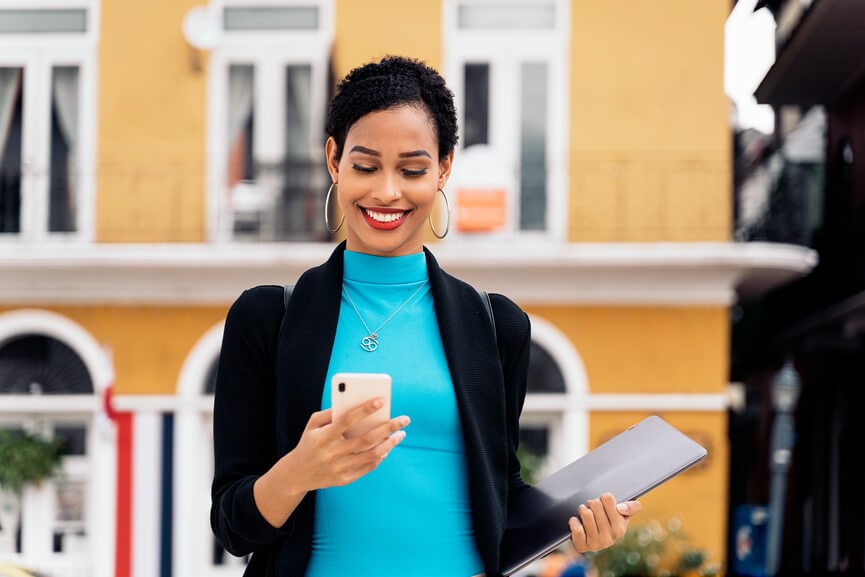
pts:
[261, 406]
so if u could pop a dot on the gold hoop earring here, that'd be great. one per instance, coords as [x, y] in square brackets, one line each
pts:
[327, 212]
[448, 225]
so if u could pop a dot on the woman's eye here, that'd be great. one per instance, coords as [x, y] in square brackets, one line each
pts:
[419, 172]
[360, 168]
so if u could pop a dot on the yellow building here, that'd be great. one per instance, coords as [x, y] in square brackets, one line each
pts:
[157, 158]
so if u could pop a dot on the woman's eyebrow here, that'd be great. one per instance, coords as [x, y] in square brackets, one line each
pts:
[371, 152]
[414, 153]
[364, 150]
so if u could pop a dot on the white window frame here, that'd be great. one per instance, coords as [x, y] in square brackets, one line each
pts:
[38, 54]
[505, 50]
[269, 52]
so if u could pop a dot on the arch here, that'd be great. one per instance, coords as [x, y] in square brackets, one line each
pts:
[562, 350]
[570, 432]
[194, 370]
[103, 458]
[191, 483]
[94, 355]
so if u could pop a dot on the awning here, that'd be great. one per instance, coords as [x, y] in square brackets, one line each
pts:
[822, 59]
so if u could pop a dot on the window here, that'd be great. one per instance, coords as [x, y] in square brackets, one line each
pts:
[539, 430]
[269, 91]
[47, 58]
[219, 559]
[507, 64]
[40, 366]
[545, 374]
[194, 549]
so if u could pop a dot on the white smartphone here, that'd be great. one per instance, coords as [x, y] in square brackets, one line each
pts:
[348, 390]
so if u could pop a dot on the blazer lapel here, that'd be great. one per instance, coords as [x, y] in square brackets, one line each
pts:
[469, 343]
[304, 354]
[472, 354]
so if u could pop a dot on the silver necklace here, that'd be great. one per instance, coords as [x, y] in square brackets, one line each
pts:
[369, 343]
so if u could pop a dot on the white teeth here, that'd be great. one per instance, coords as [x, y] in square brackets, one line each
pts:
[384, 216]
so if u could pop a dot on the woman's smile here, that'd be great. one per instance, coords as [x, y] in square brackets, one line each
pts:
[383, 218]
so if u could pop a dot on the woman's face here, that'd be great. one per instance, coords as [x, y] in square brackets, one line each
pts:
[387, 180]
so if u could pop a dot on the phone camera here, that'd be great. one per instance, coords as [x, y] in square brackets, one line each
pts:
[341, 387]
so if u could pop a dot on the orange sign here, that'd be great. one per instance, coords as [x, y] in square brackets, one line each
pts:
[480, 209]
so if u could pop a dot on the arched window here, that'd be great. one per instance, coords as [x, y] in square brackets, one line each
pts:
[40, 365]
[536, 431]
[554, 422]
[545, 375]
[210, 379]
[36, 365]
[220, 557]
[196, 550]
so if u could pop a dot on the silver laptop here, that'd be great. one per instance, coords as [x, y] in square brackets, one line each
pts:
[629, 465]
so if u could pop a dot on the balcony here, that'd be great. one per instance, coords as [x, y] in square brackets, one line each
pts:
[779, 191]
[159, 240]
[285, 203]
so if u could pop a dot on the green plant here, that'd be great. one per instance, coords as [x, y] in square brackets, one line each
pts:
[653, 550]
[530, 464]
[27, 458]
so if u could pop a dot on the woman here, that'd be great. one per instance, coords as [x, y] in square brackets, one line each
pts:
[428, 498]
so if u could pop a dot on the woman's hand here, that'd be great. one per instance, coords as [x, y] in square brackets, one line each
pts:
[324, 457]
[601, 522]
[327, 458]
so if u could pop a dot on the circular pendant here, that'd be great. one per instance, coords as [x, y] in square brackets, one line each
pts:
[369, 343]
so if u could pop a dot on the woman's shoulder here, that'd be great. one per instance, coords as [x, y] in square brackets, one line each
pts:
[508, 314]
[257, 302]
[505, 304]
[503, 307]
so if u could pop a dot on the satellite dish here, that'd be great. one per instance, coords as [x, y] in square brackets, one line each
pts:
[201, 27]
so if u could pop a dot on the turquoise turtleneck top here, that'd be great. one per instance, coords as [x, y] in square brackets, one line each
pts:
[411, 516]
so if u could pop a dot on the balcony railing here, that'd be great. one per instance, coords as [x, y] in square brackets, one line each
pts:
[621, 199]
[285, 202]
[780, 201]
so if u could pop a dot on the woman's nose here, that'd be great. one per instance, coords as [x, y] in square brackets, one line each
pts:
[389, 190]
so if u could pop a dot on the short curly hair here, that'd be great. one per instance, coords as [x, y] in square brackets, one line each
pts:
[388, 83]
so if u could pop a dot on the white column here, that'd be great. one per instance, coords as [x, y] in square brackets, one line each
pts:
[37, 520]
[192, 538]
[102, 504]
[146, 493]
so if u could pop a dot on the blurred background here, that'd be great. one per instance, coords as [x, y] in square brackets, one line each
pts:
[673, 190]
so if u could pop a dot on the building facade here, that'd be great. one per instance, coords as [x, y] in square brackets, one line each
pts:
[805, 472]
[159, 158]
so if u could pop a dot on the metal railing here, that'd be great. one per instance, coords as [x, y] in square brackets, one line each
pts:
[780, 202]
[625, 198]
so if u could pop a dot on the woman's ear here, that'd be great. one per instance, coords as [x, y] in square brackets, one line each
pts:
[331, 159]
[445, 165]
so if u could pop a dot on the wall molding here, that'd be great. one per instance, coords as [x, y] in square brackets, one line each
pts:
[713, 274]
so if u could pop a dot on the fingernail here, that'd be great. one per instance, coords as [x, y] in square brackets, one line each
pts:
[400, 435]
[404, 421]
[377, 403]
[623, 509]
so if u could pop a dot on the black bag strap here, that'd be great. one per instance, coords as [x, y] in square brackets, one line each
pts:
[286, 294]
[485, 296]
[286, 298]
